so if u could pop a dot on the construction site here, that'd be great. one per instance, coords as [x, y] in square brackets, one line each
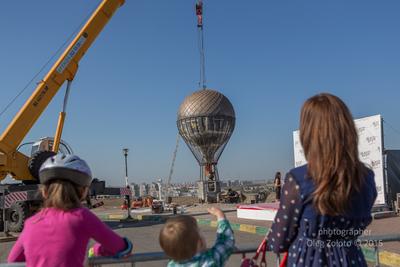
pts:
[215, 134]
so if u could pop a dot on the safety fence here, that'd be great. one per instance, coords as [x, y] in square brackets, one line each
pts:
[152, 256]
[371, 241]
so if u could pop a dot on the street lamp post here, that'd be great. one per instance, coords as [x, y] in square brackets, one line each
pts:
[128, 197]
[125, 150]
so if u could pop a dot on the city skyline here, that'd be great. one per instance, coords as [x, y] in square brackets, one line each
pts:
[176, 183]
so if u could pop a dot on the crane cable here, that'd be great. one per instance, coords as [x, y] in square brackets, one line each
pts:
[200, 34]
[69, 38]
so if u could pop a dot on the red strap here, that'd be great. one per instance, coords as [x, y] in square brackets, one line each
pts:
[284, 260]
[261, 248]
[264, 251]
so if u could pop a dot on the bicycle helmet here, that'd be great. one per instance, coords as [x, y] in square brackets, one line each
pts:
[66, 167]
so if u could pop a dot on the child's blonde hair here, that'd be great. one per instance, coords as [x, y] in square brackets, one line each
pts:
[62, 194]
[179, 237]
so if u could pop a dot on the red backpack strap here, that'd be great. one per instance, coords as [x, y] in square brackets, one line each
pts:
[284, 260]
[263, 254]
[260, 248]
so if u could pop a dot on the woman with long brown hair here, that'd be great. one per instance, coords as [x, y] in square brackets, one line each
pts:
[327, 203]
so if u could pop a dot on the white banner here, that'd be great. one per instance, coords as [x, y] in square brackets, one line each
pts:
[370, 146]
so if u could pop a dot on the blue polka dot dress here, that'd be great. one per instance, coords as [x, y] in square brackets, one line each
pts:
[319, 240]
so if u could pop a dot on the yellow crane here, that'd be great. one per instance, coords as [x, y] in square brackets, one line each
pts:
[16, 203]
[15, 163]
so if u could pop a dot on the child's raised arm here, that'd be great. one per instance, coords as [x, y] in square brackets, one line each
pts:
[225, 243]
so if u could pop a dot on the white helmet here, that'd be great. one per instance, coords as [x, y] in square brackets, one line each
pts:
[66, 167]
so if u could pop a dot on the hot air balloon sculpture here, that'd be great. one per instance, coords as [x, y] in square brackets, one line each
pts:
[206, 120]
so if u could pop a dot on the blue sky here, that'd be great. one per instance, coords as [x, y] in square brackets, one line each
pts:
[267, 57]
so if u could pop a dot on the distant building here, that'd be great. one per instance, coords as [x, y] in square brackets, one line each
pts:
[224, 184]
[153, 190]
[135, 189]
[231, 183]
[245, 182]
[143, 190]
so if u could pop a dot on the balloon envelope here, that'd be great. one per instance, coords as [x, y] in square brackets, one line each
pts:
[206, 120]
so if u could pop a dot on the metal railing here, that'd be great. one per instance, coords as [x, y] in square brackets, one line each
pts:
[155, 256]
[377, 241]
[137, 257]
[372, 241]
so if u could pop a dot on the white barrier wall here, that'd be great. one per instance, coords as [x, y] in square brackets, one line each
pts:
[259, 211]
[370, 146]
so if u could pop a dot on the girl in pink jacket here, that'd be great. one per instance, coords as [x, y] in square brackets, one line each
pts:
[58, 235]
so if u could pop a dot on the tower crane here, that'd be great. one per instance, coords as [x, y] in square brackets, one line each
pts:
[171, 170]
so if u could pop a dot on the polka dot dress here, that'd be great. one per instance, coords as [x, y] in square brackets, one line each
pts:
[316, 240]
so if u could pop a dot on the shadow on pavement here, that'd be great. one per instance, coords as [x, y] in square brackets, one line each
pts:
[132, 224]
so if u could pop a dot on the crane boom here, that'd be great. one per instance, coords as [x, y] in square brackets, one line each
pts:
[13, 162]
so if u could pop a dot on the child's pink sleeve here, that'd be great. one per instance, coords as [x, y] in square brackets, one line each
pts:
[109, 243]
[17, 252]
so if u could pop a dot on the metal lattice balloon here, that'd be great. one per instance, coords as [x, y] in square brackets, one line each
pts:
[206, 120]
